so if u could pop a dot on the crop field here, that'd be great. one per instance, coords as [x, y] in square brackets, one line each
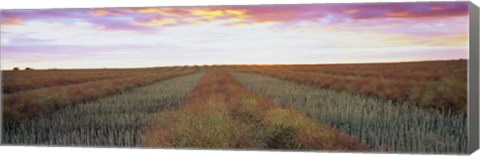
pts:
[342, 78]
[26, 103]
[440, 85]
[415, 107]
[385, 125]
[16, 81]
[220, 113]
[112, 121]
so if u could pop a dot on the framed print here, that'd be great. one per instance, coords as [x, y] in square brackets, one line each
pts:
[326, 77]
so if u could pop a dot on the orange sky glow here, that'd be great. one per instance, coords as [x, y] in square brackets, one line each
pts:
[255, 34]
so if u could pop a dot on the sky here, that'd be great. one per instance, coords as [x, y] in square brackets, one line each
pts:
[248, 34]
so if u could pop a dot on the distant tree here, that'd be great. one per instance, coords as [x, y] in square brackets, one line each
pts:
[16, 69]
[28, 68]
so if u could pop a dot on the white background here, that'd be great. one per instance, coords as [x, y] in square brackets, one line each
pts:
[36, 4]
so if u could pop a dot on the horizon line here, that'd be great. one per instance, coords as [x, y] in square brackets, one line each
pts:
[246, 64]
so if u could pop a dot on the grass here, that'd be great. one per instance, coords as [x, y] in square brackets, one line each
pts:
[308, 107]
[440, 85]
[27, 104]
[419, 71]
[117, 120]
[16, 81]
[221, 113]
[385, 125]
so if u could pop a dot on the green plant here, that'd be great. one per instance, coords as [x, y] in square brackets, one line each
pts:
[118, 120]
[385, 125]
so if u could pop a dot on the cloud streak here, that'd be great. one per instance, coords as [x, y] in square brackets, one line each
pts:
[109, 17]
[249, 32]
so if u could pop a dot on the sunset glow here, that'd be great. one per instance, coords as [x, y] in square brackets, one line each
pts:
[255, 34]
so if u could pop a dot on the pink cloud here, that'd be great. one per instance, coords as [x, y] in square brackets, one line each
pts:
[122, 18]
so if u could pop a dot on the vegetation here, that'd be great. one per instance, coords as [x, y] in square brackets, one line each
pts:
[24, 81]
[26, 104]
[440, 85]
[385, 125]
[117, 120]
[390, 107]
[220, 113]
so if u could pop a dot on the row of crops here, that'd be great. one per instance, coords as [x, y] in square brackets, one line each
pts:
[309, 107]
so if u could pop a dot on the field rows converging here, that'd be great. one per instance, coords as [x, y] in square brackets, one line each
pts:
[220, 113]
[385, 125]
[22, 105]
[419, 71]
[117, 120]
[308, 107]
[438, 85]
[17, 81]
